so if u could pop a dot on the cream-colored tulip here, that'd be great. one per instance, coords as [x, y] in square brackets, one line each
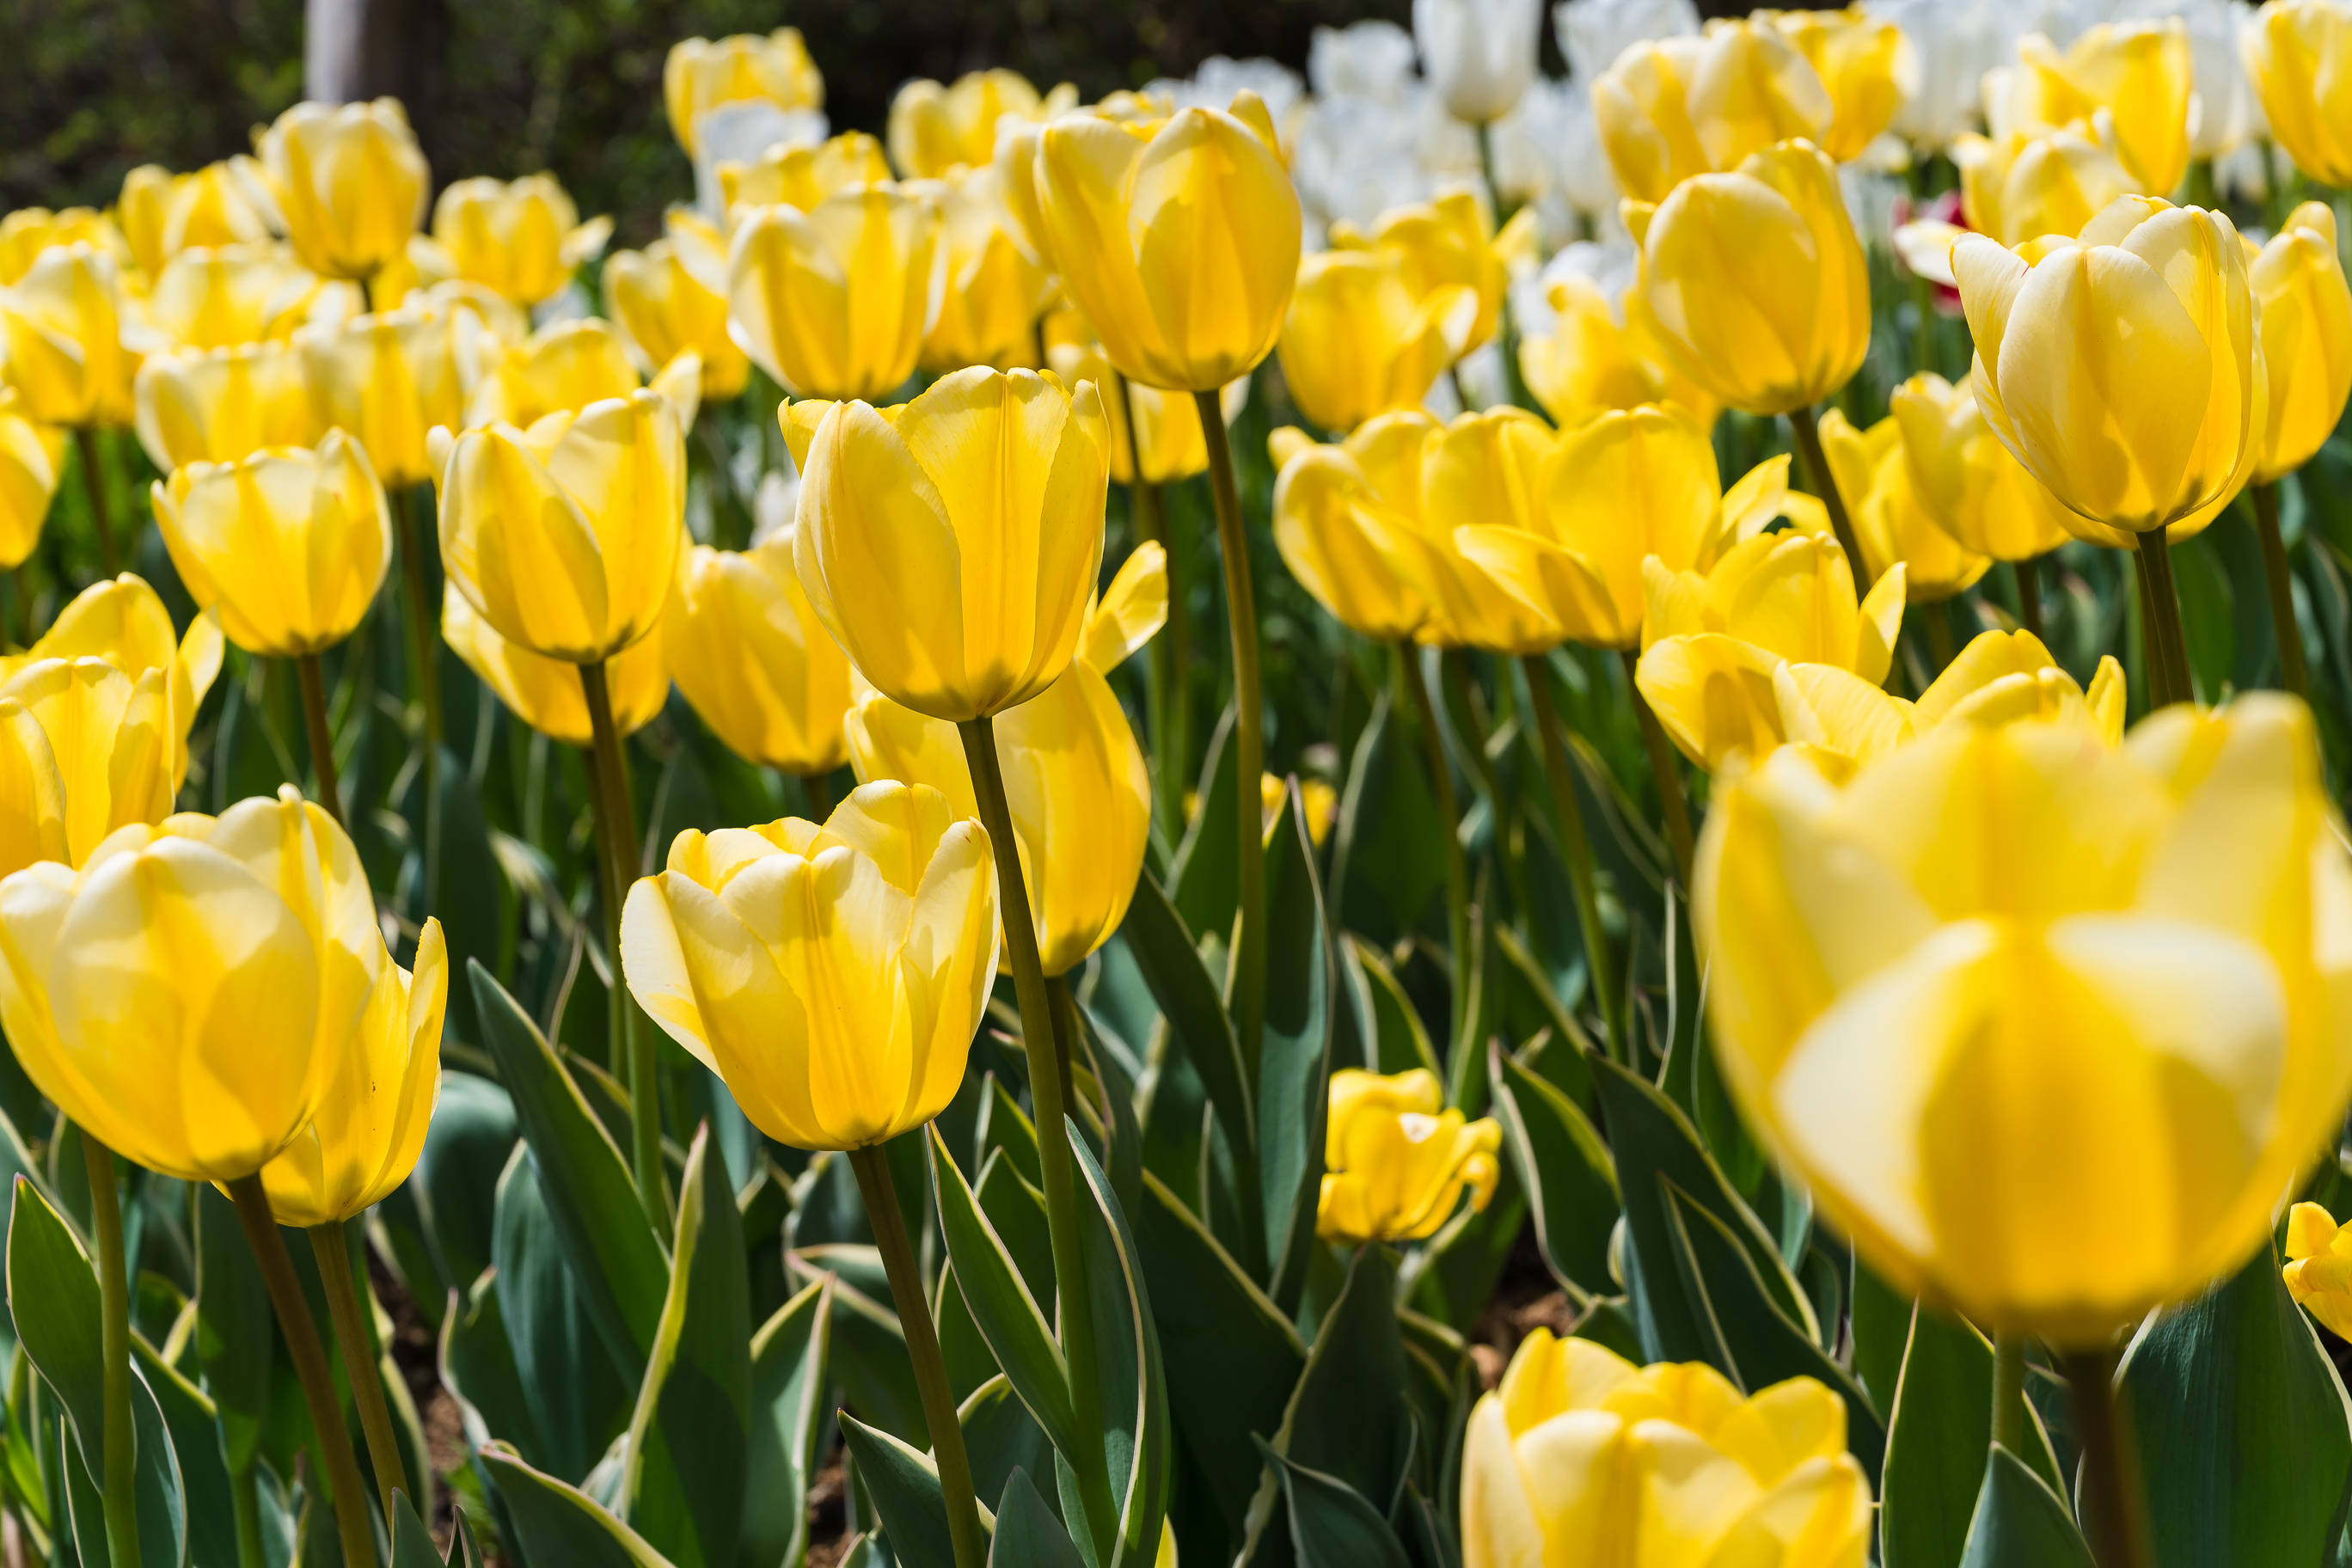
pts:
[2018, 186]
[700, 76]
[524, 238]
[210, 299]
[2140, 72]
[1677, 108]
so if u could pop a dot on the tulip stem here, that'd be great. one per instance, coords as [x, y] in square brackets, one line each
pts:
[2164, 616]
[816, 791]
[2029, 597]
[1037, 1042]
[2115, 1511]
[1817, 469]
[359, 1362]
[2009, 1392]
[1167, 652]
[424, 650]
[245, 1509]
[620, 825]
[120, 1437]
[2292, 674]
[1662, 771]
[322, 734]
[93, 478]
[1577, 850]
[311, 1368]
[1458, 865]
[1249, 735]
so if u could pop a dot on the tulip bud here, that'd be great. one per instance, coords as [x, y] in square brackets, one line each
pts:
[1358, 339]
[389, 378]
[948, 545]
[545, 693]
[2019, 187]
[748, 653]
[31, 458]
[1598, 358]
[834, 302]
[1682, 107]
[1395, 1165]
[217, 405]
[670, 299]
[1168, 432]
[2319, 1271]
[1444, 243]
[699, 75]
[834, 976]
[1867, 65]
[567, 365]
[934, 128]
[801, 176]
[25, 233]
[1967, 480]
[2307, 329]
[351, 183]
[1346, 518]
[2296, 50]
[523, 239]
[2140, 72]
[223, 204]
[61, 338]
[988, 312]
[1889, 520]
[1478, 54]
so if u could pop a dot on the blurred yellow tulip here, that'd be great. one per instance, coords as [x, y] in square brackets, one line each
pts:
[212, 299]
[1868, 66]
[1445, 244]
[1967, 481]
[2009, 983]
[2298, 53]
[1168, 433]
[993, 293]
[28, 231]
[2140, 72]
[123, 622]
[834, 302]
[670, 298]
[545, 693]
[351, 183]
[217, 405]
[1673, 109]
[2019, 187]
[1359, 340]
[523, 239]
[289, 543]
[567, 536]
[950, 545]
[748, 653]
[108, 738]
[226, 203]
[802, 177]
[1581, 1457]
[934, 128]
[389, 378]
[1892, 523]
[2307, 329]
[32, 460]
[700, 76]
[834, 976]
[1599, 357]
[1317, 801]
[565, 366]
[2319, 1266]
[1395, 1164]
[61, 338]
[1347, 520]
[1754, 283]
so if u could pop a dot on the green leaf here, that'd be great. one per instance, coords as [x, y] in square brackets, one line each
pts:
[1136, 1438]
[1009, 1317]
[453, 1185]
[1000, 1437]
[556, 1523]
[591, 1202]
[1203, 877]
[1881, 1321]
[869, 1356]
[1562, 1061]
[689, 1441]
[2241, 1423]
[475, 905]
[1938, 1430]
[578, 1401]
[163, 1508]
[411, 1543]
[1027, 1533]
[904, 1487]
[1004, 1125]
[1348, 1418]
[1395, 1037]
[1193, 1005]
[1016, 1210]
[193, 1422]
[1387, 857]
[1565, 1170]
[2020, 1523]
[478, 1368]
[788, 1411]
[1293, 1065]
[53, 1296]
[1331, 1525]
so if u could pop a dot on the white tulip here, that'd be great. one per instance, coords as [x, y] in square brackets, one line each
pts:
[1364, 59]
[1594, 33]
[1478, 54]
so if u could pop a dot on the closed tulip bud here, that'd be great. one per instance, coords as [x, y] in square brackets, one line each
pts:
[2133, 359]
[1682, 107]
[950, 545]
[1395, 1164]
[700, 76]
[1889, 520]
[1581, 1456]
[668, 300]
[217, 405]
[1346, 518]
[1593, 361]
[2319, 1266]
[61, 338]
[1179, 238]
[1754, 283]
[2019, 187]
[988, 312]
[545, 693]
[834, 302]
[934, 128]
[1967, 480]
[1445, 245]
[1359, 341]
[212, 299]
[187, 994]
[123, 622]
[564, 367]
[351, 183]
[750, 654]
[523, 239]
[25, 233]
[1866, 63]
[2307, 316]
[2297, 52]
[291, 544]
[2008, 979]
[31, 458]
[227, 203]
[1168, 424]
[389, 378]
[834, 976]
[1478, 54]
[802, 177]
[2140, 72]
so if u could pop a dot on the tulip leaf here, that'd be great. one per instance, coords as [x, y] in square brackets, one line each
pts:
[1002, 1124]
[591, 1202]
[1008, 1316]
[689, 1440]
[1193, 1005]
[478, 1368]
[194, 1424]
[1387, 859]
[473, 902]
[1331, 1525]
[1565, 1170]
[1394, 1038]
[1881, 1322]
[53, 1296]
[451, 1193]
[1348, 1418]
[578, 1402]
[1016, 1210]
[2242, 1430]
[554, 1522]
[1203, 878]
[1000, 1437]
[1939, 1429]
[868, 1355]
[161, 1497]
[1027, 1533]
[788, 1387]
[411, 1543]
[2019, 1523]
[1233, 1356]
[905, 1487]
[1562, 1060]
[1136, 1436]
[1293, 1065]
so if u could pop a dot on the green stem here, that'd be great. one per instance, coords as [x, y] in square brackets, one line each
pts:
[1249, 736]
[873, 1168]
[2009, 1392]
[2029, 597]
[244, 1507]
[322, 734]
[816, 789]
[1461, 708]
[1159, 697]
[1458, 865]
[1077, 1316]
[1577, 850]
[1938, 621]
[2164, 607]
[1817, 469]
[2115, 1511]
[1065, 1034]
[1662, 771]
[2292, 674]
[120, 1437]
[423, 653]
[93, 479]
[309, 1358]
[620, 831]
[359, 1363]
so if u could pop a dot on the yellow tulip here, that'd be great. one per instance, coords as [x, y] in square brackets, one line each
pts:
[61, 338]
[988, 312]
[1754, 283]
[523, 239]
[28, 231]
[834, 302]
[1890, 521]
[2019, 187]
[217, 405]
[107, 735]
[1317, 800]
[32, 792]
[212, 299]
[1967, 481]
[1445, 245]
[1674, 109]
[351, 183]
[31, 458]
[124, 623]
[699, 75]
[566, 536]
[670, 298]
[567, 365]
[226, 203]
[834, 976]
[748, 653]
[2132, 359]
[1395, 1164]
[934, 128]
[1487, 471]
[187, 994]
[474, 308]
[1347, 520]
[1168, 432]
[2009, 982]
[1867, 65]
[950, 545]
[2297, 51]
[389, 378]
[2319, 1271]
[1179, 238]
[545, 693]
[1581, 1457]
[803, 176]
[1594, 362]
[291, 544]
[2307, 328]
[1359, 340]
[2140, 72]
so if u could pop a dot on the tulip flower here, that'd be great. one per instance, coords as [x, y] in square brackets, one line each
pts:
[2019, 187]
[1359, 341]
[523, 239]
[32, 460]
[802, 177]
[1682, 107]
[1890, 520]
[123, 622]
[217, 405]
[1754, 282]
[834, 976]
[2319, 1266]
[1395, 1164]
[934, 128]
[226, 203]
[834, 302]
[1346, 518]
[25, 233]
[61, 338]
[1478, 54]
[2132, 364]
[350, 180]
[2021, 913]
[1868, 66]
[1598, 358]
[210, 299]
[950, 545]
[291, 544]
[564, 367]
[670, 298]
[1179, 238]
[545, 693]
[2140, 72]
[1168, 425]
[2306, 331]
[389, 378]
[750, 655]
[1445, 245]
[988, 312]
[1581, 1456]
[2297, 52]
[103, 758]
[1966, 481]
[700, 76]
